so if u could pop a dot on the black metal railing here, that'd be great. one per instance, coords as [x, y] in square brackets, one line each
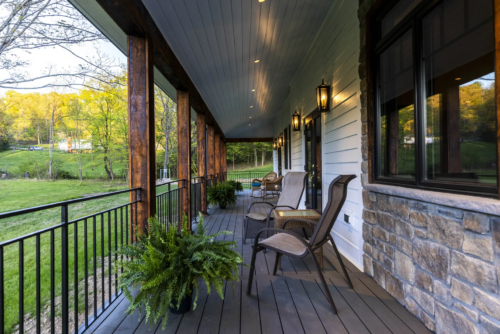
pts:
[245, 178]
[168, 202]
[196, 197]
[68, 267]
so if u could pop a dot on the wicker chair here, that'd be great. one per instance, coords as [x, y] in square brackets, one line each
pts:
[257, 183]
[293, 187]
[269, 185]
[293, 245]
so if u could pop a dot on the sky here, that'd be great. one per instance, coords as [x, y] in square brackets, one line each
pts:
[39, 59]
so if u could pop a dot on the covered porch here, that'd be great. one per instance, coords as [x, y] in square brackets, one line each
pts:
[290, 302]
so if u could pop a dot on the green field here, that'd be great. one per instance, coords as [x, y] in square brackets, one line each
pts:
[245, 168]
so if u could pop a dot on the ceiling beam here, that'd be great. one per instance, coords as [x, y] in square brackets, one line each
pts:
[250, 140]
[134, 19]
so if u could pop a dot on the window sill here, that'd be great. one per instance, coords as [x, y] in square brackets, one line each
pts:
[465, 202]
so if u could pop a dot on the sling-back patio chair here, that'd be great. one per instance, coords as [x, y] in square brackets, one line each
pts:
[257, 183]
[286, 242]
[293, 187]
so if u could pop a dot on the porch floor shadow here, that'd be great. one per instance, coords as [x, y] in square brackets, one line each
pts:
[293, 301]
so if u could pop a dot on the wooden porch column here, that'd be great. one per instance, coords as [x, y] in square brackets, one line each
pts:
[184, 153]
[217, 155]
[142, 155]
[223, 162]
[202, 158]
[211, 152]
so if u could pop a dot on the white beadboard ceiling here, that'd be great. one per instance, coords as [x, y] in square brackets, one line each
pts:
[218, 41]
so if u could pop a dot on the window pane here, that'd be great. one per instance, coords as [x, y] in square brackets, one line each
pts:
[460, 111]
[397, 14]
[397, 116]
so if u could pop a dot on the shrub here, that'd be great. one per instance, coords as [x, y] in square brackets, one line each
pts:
[238, 186]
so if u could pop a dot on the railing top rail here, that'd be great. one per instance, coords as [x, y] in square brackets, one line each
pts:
[58, 204]
[169, 182]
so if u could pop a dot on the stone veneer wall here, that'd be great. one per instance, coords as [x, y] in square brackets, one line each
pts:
[442, 263]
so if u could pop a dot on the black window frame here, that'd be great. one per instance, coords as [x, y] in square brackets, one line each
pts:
[290, 146]
[376, 45]
[285, 139]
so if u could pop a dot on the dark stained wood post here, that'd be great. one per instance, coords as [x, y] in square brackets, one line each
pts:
[202, 158]
[142, 155]
[224, 159]
[211, 152]
[184, 153]
[497, 83]
[217, 156]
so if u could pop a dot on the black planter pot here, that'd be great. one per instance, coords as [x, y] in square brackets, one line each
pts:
[184, 307]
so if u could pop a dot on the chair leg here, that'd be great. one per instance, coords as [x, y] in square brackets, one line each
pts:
[348, 279]
[323, 281]
[245, 227]
[305, 233]
[278, 255]
[252, 269]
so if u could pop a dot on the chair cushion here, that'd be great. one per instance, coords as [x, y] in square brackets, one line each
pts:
[256, 184]
[259, 216]
[285, 242]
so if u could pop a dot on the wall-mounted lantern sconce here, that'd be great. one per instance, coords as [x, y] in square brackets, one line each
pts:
[280, 140]
[296, 121]
[275, 144]
[323, 97]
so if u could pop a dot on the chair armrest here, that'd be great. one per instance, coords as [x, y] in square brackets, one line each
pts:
[299, 220]
[256, 180]
[285, 206]
[250, 206]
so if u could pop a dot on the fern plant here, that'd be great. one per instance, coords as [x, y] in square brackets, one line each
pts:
[168, 266]
[222, 194]
[237, 185]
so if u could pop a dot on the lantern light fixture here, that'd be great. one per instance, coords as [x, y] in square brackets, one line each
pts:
[323, 97]
[296, 121]
[275, 144]
[280, 140]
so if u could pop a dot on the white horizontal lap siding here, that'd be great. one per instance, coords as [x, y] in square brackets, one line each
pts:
[334, 56]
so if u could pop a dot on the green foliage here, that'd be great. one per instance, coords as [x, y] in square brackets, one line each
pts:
[237, 185]
[166, 266]
[222, 193]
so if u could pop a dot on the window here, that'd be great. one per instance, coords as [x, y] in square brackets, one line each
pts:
[434, 100]
[290, 146]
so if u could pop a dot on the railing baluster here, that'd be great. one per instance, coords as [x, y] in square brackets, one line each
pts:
[110, 273]
[169, 205]
[21, 286]
[75, 272]
[38, 289]
[2, 294]
[52, 282]
[121, 234]
[94, 235]
[64, 269]
[102, 264]
[116, 255]
[85, 231]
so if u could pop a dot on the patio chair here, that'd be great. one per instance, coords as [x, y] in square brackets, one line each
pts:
[293, 187]
[256, 183]
[290, 243]
[269, 185]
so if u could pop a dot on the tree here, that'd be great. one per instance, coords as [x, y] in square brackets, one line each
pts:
[27, 25]
[165, 111]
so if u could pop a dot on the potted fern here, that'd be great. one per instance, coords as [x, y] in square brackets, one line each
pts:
[238, 186]
[222, 194]
[166, 268]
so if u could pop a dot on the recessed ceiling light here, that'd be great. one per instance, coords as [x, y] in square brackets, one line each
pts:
[458, 79]
[250, 117]
[262, 0]
[253, 90]
[251, 106]
[249, 124]
[256, 61]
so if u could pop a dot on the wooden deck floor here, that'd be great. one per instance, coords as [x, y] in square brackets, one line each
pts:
[291, 302]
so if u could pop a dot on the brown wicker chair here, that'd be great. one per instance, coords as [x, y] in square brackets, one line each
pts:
[257, 183]
[269, 185]
[293, 245]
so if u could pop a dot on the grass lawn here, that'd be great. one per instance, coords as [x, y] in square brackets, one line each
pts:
[35, 162]
[246, 168]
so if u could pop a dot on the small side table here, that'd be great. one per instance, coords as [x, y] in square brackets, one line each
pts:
[281, 216]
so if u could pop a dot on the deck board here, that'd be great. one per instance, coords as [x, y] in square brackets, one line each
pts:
[293, 301]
